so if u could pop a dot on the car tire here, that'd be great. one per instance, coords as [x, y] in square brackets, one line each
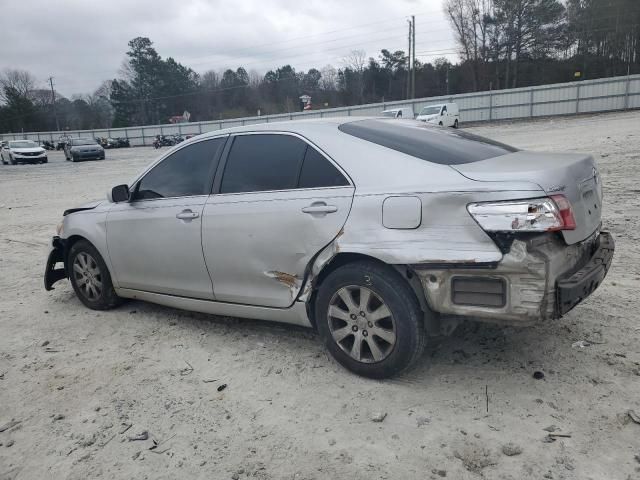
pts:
[12, 160]
[440, 123]
[90, 277]
[455, 124]
[389, 344]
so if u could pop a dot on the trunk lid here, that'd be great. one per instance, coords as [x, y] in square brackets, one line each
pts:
[573, 175]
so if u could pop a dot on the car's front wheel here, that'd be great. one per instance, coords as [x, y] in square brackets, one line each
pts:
[90, 277]
[370, 320]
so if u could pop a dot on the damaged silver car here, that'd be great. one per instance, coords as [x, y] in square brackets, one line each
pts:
[378, 233]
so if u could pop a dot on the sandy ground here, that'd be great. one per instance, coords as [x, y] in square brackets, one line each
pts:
[75, 379]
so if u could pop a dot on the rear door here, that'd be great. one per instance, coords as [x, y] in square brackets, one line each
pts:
[154, 240]
[279, 201]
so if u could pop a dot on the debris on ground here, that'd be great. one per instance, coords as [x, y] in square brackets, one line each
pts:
[422, 421]
[9, 425]
[222, 387]
[125, 427]
[140, 436]
[634, 416]
[511, 449]
[186, 370]
[538, 375]
[58, 416]
[580, 344]
[379, 417]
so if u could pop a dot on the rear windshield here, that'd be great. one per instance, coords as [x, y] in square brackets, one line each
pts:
[445, 146]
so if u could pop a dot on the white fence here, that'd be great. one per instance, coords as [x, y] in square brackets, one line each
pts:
[616, 93]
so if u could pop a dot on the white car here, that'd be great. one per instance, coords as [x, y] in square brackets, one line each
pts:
[443, 114]
[399, 113]
[23, 151]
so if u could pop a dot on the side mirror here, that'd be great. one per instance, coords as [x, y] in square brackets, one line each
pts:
[119, 193]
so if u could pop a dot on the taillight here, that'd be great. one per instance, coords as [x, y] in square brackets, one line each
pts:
[546, 214]
[566, 212]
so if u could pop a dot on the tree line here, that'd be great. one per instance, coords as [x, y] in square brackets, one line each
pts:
[501, 44]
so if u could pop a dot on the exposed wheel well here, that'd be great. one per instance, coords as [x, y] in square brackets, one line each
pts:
[342, 259]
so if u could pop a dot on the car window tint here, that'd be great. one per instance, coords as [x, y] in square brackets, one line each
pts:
[317, 171]
[183, 173]
[263, 162]
[427, 142]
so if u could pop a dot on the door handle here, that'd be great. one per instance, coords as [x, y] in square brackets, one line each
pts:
[187, 215]
[320, 208]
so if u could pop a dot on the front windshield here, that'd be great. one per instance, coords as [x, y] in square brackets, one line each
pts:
[83, 141]
[22, 144]
[431, 110]
[390, 113]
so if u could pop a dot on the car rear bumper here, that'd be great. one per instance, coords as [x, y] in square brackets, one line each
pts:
[572, 289]
[539, 278]
[57, 255]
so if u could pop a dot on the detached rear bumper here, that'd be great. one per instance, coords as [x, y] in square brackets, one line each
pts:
[572, 289]
[539, 278]
[57, 254]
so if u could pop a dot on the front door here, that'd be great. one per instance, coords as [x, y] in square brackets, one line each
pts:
[280, 201]
[154, 240]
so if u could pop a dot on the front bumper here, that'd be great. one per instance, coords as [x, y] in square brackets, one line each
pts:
[98, 155]
[539, 278]
[29, 158]
[57, 254]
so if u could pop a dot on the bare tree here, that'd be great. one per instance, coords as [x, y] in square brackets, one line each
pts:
[356, 60]
[20, 81]
[329, 78]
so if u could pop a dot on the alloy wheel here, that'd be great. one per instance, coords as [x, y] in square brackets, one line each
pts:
[87, 276]
[361, 324]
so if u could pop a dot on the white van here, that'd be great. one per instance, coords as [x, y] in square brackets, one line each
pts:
[399, 113]
[444, 114]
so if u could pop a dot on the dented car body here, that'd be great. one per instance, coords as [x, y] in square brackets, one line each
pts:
[475, 228]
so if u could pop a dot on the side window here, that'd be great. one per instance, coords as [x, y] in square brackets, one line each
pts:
[317, 171]
[184, 173]
[262, 163]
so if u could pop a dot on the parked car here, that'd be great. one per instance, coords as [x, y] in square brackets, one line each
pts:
[83, 149]
[444, 114]
[399, 113]
[376, 232]
[23, 151]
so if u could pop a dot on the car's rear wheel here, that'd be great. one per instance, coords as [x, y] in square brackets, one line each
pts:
[370, 320]
[90, 277]
[455, 124]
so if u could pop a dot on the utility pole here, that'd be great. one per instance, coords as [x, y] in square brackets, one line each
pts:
[413, 53]
[53, 96]
[409, 60]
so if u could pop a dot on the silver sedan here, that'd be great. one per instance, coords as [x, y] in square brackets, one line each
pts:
[376, 232]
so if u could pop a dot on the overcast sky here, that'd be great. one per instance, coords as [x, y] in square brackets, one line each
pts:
[81, 43]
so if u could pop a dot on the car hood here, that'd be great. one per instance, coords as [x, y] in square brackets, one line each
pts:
[27, 150]
[81, 208]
